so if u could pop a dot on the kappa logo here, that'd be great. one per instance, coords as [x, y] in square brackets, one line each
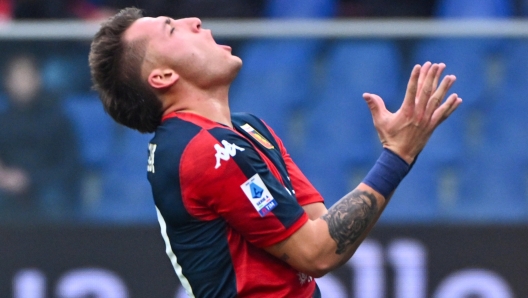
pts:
[304, 278]
[224, 153]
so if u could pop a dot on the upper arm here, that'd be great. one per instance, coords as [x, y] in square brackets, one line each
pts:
[315, 210]
[310, 249]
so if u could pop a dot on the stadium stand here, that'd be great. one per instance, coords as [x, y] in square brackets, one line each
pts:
[498, 173]
[341, 142]
[115, 186]
[436, 182]
[300, 9]
[127, 196]
[67, 71]
[277, 78]
[95, 132]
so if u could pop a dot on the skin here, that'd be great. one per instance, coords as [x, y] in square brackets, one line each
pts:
[191, 73]
[188, 69]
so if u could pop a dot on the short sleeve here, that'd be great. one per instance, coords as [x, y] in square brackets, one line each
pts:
[223, 175]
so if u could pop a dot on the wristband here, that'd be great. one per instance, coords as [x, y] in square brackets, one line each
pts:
[387, 173]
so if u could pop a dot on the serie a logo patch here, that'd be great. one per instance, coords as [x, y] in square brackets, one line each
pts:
[259, 195]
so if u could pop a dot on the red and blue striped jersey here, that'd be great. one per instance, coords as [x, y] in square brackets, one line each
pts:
[222, 194]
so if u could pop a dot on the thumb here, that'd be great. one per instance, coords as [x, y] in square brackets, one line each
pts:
[375, 104]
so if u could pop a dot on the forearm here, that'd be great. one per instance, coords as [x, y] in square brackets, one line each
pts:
[351, 219]
[325, 243]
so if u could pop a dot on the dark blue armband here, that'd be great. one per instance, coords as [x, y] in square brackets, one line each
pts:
[387, 173]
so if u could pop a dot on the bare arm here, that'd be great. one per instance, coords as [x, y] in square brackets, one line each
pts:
[330, 240]
[315, 210]
[325, 243]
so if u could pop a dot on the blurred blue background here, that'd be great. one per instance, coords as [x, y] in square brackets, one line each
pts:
[62, 160]
[77, 217]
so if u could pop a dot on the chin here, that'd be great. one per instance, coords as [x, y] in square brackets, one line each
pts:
[233, 70]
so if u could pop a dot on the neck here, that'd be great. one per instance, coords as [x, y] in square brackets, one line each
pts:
[212, 104]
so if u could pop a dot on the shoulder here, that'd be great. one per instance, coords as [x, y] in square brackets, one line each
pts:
[256, 127]
[192, 146]
[241, 118]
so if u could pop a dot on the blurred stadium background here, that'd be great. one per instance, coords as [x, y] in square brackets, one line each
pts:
[76, 212]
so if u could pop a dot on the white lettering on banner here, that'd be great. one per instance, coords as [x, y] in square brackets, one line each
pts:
[91, 282]
[82, 282]
[367, 263]
[152, 149]
[29, 283]
[475, 283]
[404, 258]
[408, 260]
[226, 152]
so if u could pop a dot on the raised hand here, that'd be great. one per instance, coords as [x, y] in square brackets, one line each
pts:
[406, 131]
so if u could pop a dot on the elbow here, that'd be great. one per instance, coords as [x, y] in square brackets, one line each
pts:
[317, 265]
[317, 270]
[318, 274]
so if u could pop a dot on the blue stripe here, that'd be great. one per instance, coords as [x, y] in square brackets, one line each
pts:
[201, 247]
[274, 154]
[317, 292]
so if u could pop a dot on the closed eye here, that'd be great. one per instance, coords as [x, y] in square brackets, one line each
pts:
[172, 30]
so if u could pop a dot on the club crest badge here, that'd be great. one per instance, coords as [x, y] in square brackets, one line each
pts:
[257, 136]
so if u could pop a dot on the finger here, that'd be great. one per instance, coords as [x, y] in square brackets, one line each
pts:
[441, 68]
[453, 107]
[426, 92]
[438, 95]
[375, 105]
[412, 85]
[445, 110]
[423, 73]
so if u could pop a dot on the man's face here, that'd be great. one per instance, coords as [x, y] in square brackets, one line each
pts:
[184, 46]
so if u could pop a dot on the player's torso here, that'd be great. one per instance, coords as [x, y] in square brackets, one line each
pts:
[212, 258]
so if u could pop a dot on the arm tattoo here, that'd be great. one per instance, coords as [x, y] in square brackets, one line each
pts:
[350, 217]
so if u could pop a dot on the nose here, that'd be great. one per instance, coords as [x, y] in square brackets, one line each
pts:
[195, 23]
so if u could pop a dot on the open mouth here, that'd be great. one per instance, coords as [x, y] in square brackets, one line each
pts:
[225, 47]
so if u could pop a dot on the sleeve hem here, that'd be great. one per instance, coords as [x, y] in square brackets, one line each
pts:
[312, 201]
[287, 233]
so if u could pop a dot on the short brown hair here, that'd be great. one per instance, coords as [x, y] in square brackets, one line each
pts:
[116, 73]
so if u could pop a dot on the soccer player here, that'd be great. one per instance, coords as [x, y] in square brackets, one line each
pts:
[237, 215]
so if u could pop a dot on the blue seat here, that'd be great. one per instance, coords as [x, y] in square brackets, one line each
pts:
[449, 150]
[126, 196]
[474, 9]
[523, 7]
[4, 103]
[95, 134]
[497, 180]
[94, 128]
[57, 73]
[341, 141]
[300, 8]
[467, 58]
[275, 82]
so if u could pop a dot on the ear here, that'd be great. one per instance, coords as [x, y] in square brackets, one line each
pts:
[162, 78]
